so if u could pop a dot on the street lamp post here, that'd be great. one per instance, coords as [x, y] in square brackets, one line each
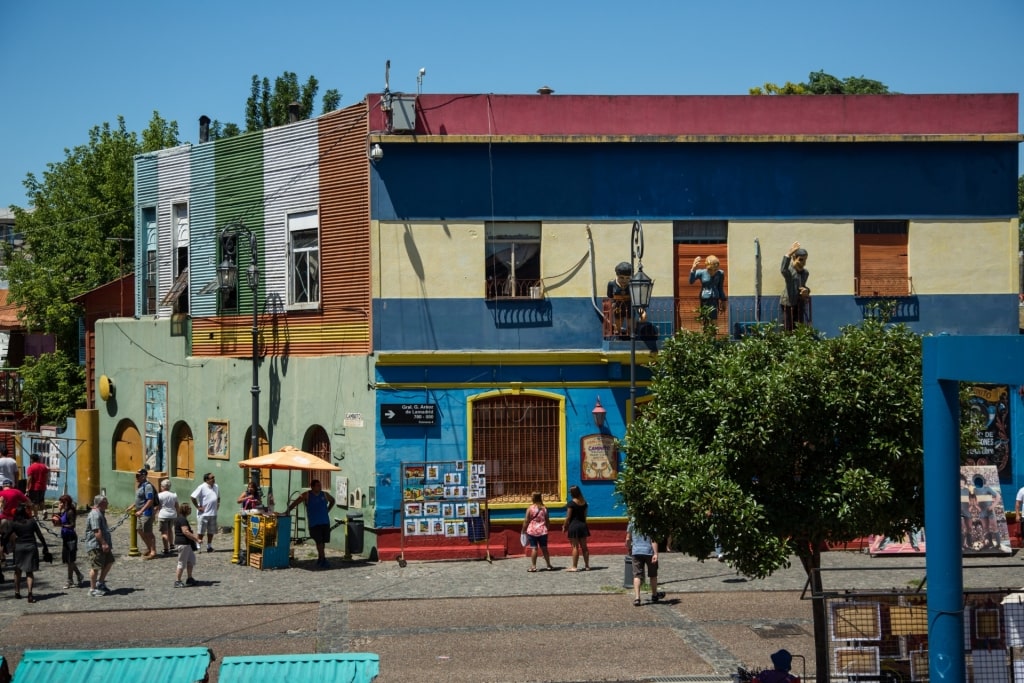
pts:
[640, 287]
[227, 277]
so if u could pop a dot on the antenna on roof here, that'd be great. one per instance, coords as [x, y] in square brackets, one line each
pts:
[385, 98]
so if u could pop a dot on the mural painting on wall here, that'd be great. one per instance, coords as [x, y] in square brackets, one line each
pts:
[217, 439]
[599, 457]
[156, 425]
[913, 543]
[982, 515]
[990, 411]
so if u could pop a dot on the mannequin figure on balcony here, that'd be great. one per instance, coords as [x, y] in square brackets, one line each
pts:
[712, 281]
[618, 292]
[795, 296]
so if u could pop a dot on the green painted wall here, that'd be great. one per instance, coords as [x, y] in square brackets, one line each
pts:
[295, 394]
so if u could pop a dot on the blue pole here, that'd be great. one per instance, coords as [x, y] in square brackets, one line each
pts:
[944, 559]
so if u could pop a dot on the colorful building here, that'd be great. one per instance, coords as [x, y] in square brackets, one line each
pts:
[433, 271]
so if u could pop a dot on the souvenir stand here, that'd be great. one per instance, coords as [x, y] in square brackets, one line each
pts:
[445, 499]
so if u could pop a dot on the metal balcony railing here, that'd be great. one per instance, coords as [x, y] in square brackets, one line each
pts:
[666, 317]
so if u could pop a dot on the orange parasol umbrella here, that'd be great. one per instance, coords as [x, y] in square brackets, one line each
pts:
[289, 458]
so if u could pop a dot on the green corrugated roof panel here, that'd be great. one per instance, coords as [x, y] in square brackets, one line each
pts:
[337, 667]
[167, 664]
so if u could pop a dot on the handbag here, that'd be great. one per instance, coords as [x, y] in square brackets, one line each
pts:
[523, 539]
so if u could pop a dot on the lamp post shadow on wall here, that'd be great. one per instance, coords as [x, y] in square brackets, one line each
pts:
[640, 288]
[227, 279]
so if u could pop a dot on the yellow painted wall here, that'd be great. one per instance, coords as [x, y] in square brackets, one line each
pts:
[446, 260]
[963, 257]
[829, 248]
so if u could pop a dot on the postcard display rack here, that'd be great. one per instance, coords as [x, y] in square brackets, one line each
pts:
[445, 499]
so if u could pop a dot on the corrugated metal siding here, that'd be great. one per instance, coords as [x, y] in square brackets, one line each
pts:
[341, 667]
[319, 164]
[290, 183]
[146, 188]
[169, 665]
[202, 257]
[238, 183]
[173, 171]
[345, 235]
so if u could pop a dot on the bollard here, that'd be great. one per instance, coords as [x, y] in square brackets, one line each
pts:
[236, 538]
[627, 581]
[133, 544]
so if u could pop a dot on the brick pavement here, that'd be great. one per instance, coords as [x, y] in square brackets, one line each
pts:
[457, 620]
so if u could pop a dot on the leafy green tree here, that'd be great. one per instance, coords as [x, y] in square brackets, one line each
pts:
[821, 83]
[81, 208]
[54, 387]
[779, 444]
[268, 106]
[1020, 212]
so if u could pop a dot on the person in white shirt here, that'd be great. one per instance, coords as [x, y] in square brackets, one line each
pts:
[8, 465]
[206, 499]
[167, 512]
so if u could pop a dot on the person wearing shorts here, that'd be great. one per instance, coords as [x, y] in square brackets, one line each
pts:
[318, 505]
[644, 552]
[185, 543]
[206, 499]
[97, 542]
[37, 475]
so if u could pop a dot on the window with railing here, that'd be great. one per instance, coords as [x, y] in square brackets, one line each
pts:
[512, 267]
[519, 437]
[880, 262]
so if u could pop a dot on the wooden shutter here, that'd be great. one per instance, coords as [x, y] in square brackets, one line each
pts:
[880, 263]
[687, 295]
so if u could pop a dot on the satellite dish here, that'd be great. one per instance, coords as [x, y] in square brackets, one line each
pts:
[106, 387]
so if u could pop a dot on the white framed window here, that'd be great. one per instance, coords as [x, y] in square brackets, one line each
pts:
[303, 260]
[149, 276]
[180, 228]
[512, 259]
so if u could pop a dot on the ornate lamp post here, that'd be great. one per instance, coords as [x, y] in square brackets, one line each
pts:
[640, 287]
[227, 278]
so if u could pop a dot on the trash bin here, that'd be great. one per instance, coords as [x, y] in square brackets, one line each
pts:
[627, 580]
[354, 533]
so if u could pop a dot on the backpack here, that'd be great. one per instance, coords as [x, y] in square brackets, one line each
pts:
[156, 499]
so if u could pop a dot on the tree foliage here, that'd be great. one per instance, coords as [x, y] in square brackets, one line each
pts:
[267, 105]
[54, 386]
[779, 443]
[1020, 212]
[81, 208]
[821, 83]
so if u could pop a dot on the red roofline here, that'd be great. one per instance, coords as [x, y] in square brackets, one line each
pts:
[708, 114]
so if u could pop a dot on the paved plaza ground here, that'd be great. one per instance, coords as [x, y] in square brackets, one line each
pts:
[458, 620]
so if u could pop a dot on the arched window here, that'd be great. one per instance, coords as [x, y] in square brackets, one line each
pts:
[318, 443]
[127, 447]
[183, 452]
[520, 436]
[247, 453]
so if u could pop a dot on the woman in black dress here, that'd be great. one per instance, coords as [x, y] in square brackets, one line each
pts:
[24, 530]
[576, 527]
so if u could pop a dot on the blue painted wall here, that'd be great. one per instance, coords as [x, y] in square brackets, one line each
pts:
[571, 323]
[722, 181]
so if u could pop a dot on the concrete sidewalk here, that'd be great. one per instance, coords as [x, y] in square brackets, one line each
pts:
[459, 620]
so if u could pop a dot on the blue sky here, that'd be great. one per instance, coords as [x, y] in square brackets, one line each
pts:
[67, 66]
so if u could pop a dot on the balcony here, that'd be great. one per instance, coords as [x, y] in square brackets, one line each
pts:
[513, 289]
[667, 316]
